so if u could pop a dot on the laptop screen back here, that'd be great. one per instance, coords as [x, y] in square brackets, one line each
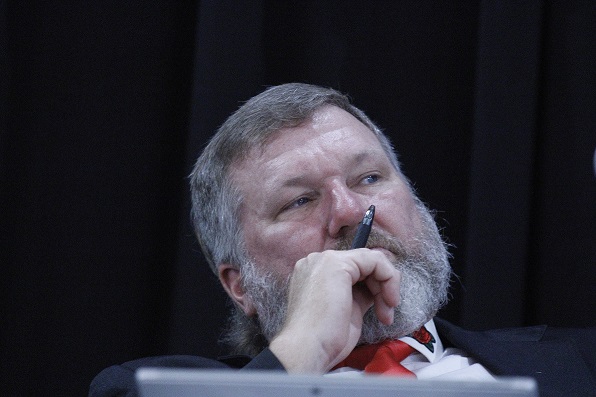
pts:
[162, 382]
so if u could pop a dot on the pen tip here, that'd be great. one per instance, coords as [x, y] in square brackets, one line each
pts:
[370, 214]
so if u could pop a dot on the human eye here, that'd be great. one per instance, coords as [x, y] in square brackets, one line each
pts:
[299, 202]
[370, 179]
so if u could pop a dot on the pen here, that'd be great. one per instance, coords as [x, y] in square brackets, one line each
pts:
[364, 229]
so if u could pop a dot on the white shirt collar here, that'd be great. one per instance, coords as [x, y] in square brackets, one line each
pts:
[426, 341]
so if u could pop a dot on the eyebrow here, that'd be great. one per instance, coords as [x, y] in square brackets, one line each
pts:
[302, 179]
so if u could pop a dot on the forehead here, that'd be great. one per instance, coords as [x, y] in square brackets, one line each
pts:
[330, 140]
[329, 128]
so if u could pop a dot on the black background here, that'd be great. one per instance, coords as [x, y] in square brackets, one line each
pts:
[105, 105]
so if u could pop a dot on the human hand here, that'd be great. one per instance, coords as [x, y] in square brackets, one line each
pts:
[329, 293]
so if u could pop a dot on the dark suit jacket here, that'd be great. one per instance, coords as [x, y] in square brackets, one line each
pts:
[563, 361]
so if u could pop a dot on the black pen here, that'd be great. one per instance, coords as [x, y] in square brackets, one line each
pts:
[364, 229]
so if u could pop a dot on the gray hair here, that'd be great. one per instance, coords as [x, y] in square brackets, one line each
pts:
[215, 201]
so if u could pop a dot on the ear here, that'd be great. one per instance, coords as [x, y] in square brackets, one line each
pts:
[231, 279]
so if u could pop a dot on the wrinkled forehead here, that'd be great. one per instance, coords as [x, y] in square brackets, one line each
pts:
[329, 123]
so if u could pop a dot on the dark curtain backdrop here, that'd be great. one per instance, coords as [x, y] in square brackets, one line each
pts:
[105, 105]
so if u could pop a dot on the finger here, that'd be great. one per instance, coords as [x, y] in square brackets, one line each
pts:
[385, 296]
[370, 263]
[388, 289]
[384, 312]
[381, 278]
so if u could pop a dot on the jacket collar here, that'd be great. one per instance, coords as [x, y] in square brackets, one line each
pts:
[555, 363]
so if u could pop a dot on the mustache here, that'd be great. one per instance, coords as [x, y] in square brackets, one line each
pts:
[377, 239]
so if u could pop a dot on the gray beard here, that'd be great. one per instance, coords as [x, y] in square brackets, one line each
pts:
[425, 275]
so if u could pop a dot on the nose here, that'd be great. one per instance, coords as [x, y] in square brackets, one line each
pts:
[346, 209]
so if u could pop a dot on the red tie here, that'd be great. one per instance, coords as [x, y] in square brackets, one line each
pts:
[382, 358]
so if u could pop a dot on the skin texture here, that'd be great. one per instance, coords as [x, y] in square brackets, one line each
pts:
[308, 187]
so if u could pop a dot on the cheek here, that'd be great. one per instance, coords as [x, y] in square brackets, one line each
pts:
[281, 246]
[397, 211]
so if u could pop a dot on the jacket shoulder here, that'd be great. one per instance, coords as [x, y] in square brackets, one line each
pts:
[119, 380]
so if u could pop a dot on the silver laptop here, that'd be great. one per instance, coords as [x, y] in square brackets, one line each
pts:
[168, 382]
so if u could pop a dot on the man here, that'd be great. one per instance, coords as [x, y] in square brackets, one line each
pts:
[277, 196]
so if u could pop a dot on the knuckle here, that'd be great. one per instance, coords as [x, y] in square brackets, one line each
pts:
[313, 257]
[378, 255]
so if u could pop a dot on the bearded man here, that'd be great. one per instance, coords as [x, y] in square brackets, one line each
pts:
[277, 195]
